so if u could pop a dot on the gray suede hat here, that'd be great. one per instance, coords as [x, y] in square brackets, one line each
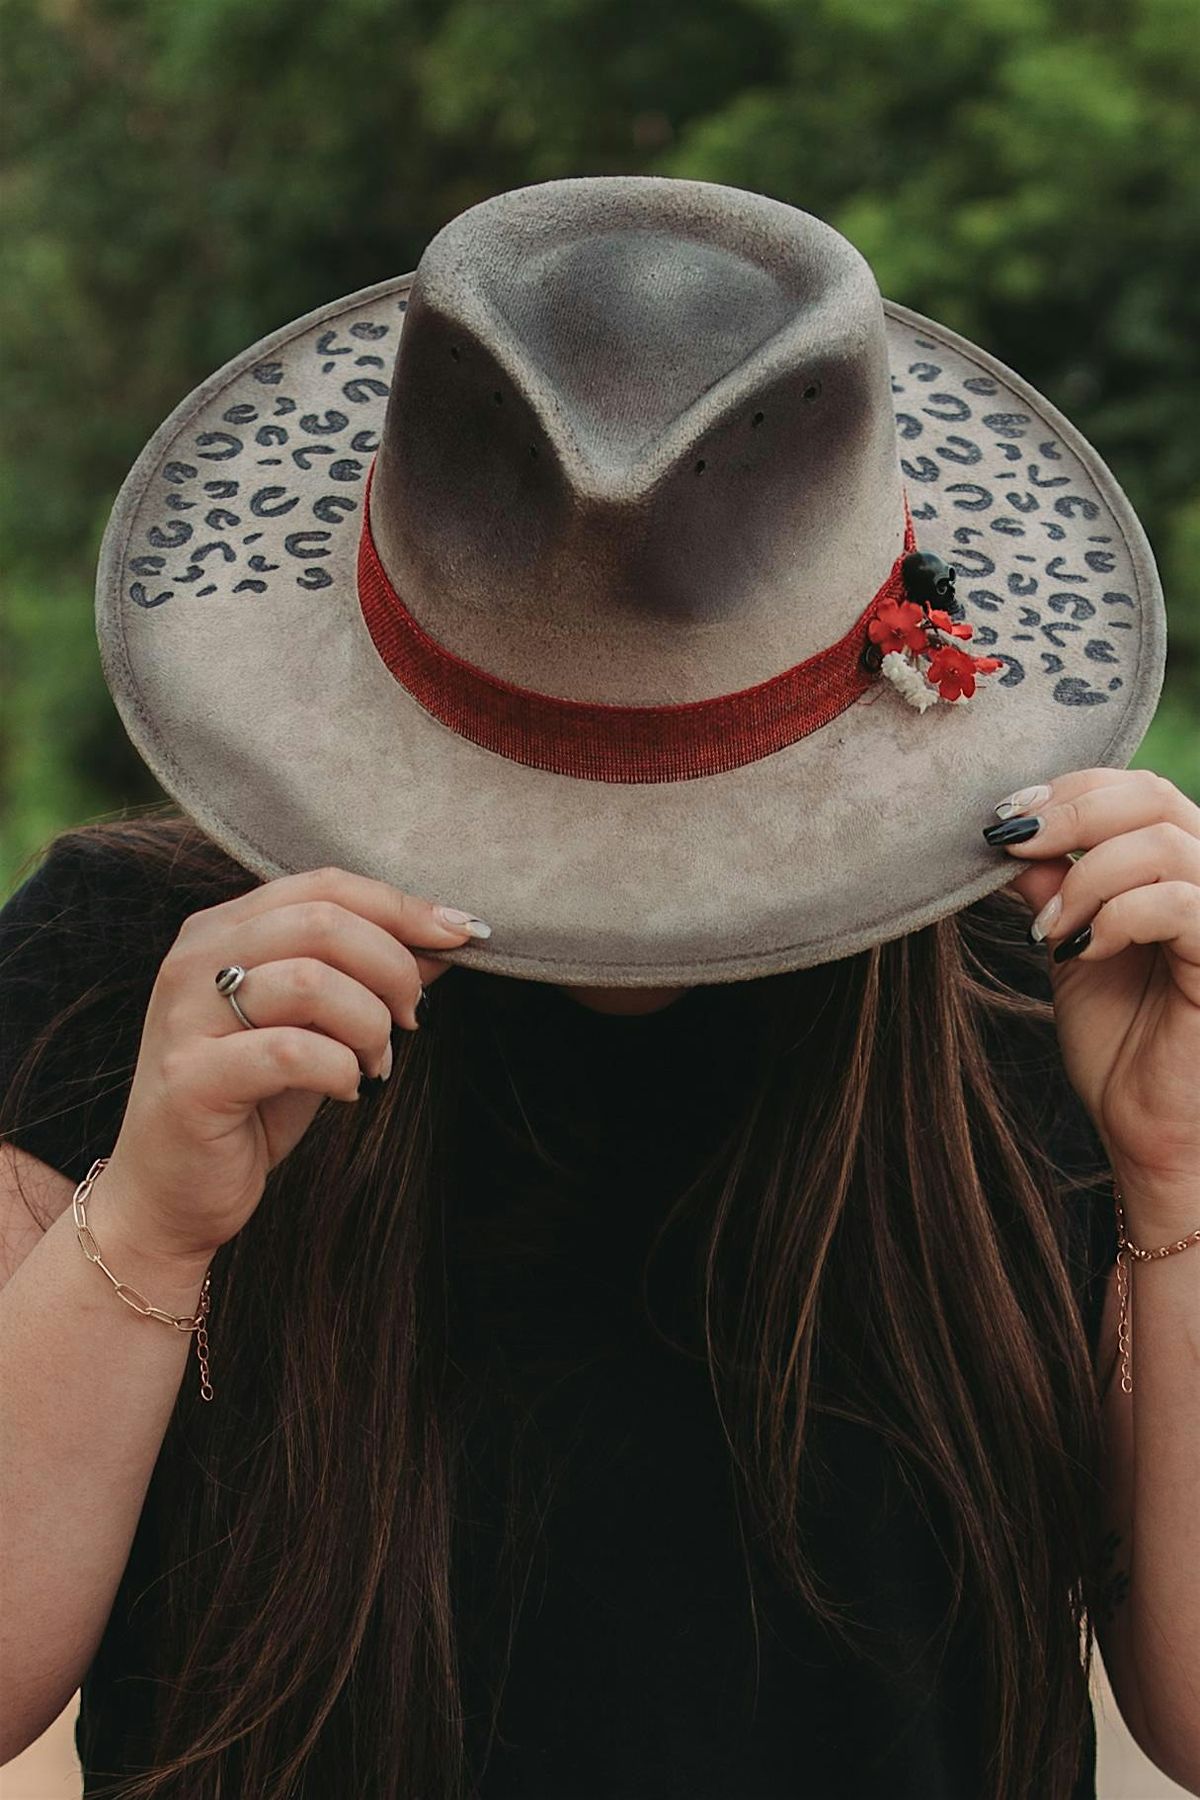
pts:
[587, 578]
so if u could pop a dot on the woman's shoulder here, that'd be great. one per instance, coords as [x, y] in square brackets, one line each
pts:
[102, 905]
[110, 879]
[82, 938]
[82, 879]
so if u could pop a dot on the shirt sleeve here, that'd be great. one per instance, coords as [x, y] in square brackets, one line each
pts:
[77, 966]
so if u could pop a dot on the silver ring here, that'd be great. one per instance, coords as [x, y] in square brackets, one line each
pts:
[229, 979]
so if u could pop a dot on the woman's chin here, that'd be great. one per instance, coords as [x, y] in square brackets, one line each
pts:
[623, 1000]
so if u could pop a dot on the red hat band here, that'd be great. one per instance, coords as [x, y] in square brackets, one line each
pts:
[603, 741]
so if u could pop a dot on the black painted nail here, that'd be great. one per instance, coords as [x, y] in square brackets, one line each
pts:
[1073, 945]
[1012, 831]
[421, 1009]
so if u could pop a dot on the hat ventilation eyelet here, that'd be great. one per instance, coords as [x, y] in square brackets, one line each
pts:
[758, 418]
[812, 390]
[701, 466]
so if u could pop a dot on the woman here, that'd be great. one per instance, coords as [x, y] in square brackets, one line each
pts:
[698, 1385]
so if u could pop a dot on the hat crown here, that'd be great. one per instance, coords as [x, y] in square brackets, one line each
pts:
[639, 431]
[280, 689]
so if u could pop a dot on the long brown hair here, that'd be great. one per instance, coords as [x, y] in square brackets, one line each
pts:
[892, 1180]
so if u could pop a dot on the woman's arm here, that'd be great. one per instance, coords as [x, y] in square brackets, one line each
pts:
[1149, 1618]
[87, 1387]
[1113, 880]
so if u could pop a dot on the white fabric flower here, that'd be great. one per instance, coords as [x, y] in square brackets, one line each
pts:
[902, 671]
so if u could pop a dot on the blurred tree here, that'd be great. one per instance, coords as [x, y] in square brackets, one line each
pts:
[181, 179]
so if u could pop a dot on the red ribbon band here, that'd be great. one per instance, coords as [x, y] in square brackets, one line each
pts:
[598, 740]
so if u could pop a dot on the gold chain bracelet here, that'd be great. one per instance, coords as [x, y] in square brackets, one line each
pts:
[1125, 1250]
[131, 1295]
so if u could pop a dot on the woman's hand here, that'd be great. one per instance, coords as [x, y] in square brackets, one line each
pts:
[1122, 926]
[333, 959]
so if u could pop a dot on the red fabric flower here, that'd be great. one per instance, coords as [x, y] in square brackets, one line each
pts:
[898, 625]
[945, 623]
[952, 671]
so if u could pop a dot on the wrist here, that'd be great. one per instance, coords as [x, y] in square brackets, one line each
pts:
[1158, 1210]
[133, 1245]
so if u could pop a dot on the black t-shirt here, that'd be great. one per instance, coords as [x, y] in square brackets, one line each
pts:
[643, 1667]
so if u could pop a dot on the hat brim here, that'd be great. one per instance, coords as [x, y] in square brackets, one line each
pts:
[233, 645]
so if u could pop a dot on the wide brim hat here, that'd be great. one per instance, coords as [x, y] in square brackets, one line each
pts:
[266, 697]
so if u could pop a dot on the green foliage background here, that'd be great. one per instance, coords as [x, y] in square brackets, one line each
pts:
[182, 176]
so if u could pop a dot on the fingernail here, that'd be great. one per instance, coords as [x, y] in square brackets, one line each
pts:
[1043, 925]
[1012, 831]
[385, 1067]
[421, 1009]
[454, 916]
[1073, 945]
[1023, 798]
